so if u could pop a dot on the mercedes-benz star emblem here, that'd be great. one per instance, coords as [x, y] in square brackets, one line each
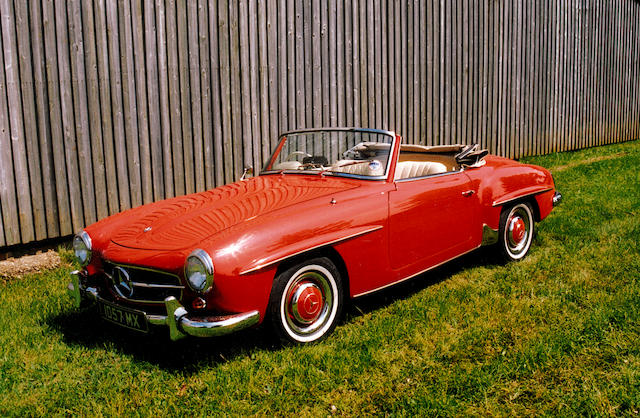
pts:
[122, 282]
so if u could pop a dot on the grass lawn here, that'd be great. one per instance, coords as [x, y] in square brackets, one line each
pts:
[558, 333]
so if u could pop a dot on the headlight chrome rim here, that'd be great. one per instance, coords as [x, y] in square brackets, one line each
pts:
[202, 257]
[82, 238]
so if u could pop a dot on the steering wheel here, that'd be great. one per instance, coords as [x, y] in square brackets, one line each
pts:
[292, 156]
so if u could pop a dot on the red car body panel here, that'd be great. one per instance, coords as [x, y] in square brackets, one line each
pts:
[384, 231]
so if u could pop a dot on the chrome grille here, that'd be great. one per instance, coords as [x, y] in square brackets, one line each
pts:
[139, 284]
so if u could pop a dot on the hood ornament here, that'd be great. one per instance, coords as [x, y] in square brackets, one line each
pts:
[147, 229]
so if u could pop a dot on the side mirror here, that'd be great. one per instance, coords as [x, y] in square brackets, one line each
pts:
[248, 171]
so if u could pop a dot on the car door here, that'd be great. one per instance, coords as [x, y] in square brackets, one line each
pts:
[431, 220]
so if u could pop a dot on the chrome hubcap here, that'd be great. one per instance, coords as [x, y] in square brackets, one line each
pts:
[517, 234]
[309, 302]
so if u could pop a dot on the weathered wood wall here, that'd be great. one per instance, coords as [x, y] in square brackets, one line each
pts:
[106, 104]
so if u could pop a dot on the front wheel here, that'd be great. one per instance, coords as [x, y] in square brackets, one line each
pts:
[306, 301]
[516, 231]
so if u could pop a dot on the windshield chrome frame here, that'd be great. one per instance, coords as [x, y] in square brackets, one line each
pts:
[283, 136]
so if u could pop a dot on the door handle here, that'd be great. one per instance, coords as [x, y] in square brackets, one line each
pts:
[468, 193]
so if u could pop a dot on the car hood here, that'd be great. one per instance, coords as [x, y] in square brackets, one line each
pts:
[183, 222]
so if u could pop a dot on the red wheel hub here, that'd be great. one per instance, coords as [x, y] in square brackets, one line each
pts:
[518, 230]
[307, 302]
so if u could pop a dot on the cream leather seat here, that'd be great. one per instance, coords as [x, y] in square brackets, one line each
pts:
[411, 169]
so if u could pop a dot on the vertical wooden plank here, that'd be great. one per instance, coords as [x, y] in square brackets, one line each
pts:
[356, 63]
[195, 93]
[332, 62]
[205, 95]
[464, 74]
[68, 120]
[216, 80]
[184, 73]
[340, 58]
[298, 64]
[416, 81]
[156, 119]
[448, 72]
[240, 154]
[406, 39]
[80, 108]
[29, 119]
[289, 17]
[8, 201]
[254, 72]
[375, 63]
[518, 56]
[423, 85]
[428, 66]
[398, 68]
[349, 63]
[165, 100]
[117, 109]
[384, 65]
[137, 28]
[316, 58]
[372, 99]
[272, 28]
[16, 122]
[175, 102]
[323, 69]
[129, 102]
[43, 122]
[95, 136]
[282, 64]
[482, 15]
[106, 118]
[437, 73]
[263, 59]
[307, 35]
[364, 96]
[224, 32]
[458, 68]
[391, 66]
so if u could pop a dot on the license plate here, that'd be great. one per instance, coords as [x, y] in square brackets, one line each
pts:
[125, 317]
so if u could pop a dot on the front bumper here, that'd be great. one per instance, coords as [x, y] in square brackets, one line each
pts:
[178, 320]
[557, 198]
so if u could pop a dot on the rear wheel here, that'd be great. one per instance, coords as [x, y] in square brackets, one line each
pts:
[306, 301]
[516, 231]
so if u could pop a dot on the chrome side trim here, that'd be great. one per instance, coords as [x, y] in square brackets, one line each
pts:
[324, 244]
[489, 235]
[502, 202]
[414, 275]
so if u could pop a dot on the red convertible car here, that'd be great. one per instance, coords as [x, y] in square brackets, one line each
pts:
[334, 214]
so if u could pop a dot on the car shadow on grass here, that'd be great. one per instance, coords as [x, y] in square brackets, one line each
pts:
[85, 328]
[484, 256]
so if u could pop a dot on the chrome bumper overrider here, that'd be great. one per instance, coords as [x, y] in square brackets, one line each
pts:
[557, 198]
[177, 319]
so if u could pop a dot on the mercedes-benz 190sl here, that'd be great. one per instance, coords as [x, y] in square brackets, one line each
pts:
[334, 214]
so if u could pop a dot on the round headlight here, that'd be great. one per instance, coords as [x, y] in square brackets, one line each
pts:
[82, 248]
[198, 271]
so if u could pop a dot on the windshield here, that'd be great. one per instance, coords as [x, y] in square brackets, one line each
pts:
[349, 153]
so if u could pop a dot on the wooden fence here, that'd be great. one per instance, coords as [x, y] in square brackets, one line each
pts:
[106, 105]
